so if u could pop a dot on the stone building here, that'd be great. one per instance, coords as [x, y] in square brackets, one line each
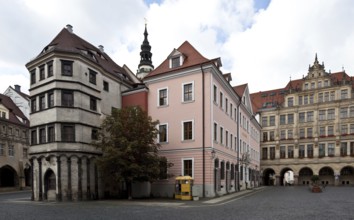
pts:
[14, 164]
[73, 86]
[308, 128]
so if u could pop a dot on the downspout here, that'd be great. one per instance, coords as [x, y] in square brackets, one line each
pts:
[203, 125]
[238, 144]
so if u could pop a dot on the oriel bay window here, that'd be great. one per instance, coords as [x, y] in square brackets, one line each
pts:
[93, 103]
[68, 132]
[50, 99]
[42, 135]
[92, 76]
[34, 137]
[51, 133]
[50, 68]
[67, 98]
[66, 67]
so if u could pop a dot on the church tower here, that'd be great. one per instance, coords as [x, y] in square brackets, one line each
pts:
[145, 65]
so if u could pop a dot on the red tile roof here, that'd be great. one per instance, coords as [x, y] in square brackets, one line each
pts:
[192, 58]
[66, 41]
[14, 112]
[273, 98]
[240, 89]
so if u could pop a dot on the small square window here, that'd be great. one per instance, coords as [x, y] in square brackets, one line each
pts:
[93, 103]
[92, 76]
[50, 68]
[94, 134]
[105, 86]
[175, 62]
[66, 68]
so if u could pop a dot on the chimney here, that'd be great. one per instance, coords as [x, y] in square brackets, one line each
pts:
[18, 88]
[101, 48]
[70, 28]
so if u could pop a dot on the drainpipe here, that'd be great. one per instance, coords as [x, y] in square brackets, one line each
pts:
[238, 143]
[203, 125]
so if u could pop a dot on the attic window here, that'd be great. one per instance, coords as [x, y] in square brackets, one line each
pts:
[175, 62]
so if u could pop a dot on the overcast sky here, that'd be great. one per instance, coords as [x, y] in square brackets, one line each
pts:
[261, 42]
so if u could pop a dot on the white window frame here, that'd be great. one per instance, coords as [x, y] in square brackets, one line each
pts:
[182, 165]
[182, 130]
[158, 136]
[186, 83]
[215, 132]
[158, 97]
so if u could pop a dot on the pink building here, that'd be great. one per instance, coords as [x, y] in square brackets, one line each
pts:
[207, 127]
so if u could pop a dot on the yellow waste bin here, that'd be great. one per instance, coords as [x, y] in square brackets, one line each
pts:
[183, 189]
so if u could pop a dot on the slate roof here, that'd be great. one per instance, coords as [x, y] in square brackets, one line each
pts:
[67, 41]
[15, 114]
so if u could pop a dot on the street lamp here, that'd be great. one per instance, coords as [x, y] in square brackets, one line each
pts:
[213, 153]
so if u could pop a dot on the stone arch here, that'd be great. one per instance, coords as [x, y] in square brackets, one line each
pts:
[8, 176]
[346, 176]
[50, 185]
[305, 175]
[268, 177]
[326, 175]
[286, 172]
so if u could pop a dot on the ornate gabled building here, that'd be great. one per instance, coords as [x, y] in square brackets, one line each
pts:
[308, 128]
[14, 164]
[73, 86]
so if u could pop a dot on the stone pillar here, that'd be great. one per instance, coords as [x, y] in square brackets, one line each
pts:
[277, 180]
[32, 185]
[59, 197]
[40, 187]
[79, 191]
[69, 194]
[96, 182]
[296, 180]
[88, 190]
[336, 179]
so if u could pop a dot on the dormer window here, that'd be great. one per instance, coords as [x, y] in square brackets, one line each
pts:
[175, 62]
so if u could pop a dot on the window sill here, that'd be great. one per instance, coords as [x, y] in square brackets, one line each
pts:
[187, 102]
[162, 106]
[187, 141]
